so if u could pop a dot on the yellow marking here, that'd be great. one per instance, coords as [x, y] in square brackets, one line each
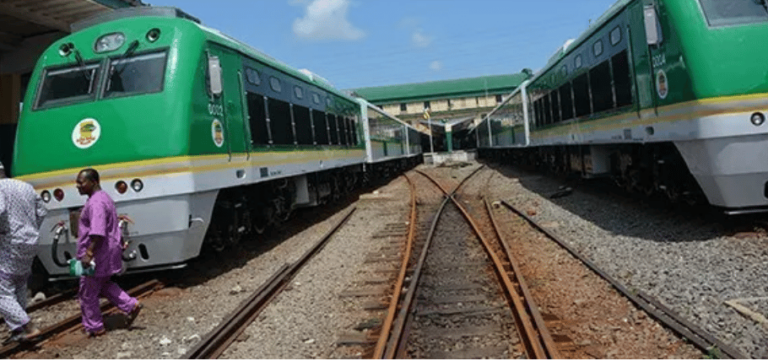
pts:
[174, 165]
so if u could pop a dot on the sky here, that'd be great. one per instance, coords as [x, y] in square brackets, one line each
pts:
[366, 43]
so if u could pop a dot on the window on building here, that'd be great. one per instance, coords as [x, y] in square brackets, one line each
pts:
[426, 105]
[403, 107]
[498, 98]
[275, 84]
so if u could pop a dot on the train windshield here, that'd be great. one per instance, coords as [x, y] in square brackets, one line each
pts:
[139, 74]
[68, 85]
[735, 12]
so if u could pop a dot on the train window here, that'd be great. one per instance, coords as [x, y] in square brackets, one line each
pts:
[597, 48]
[577, 62]
[600, 84]
[547, 109]
[615, 35]
[321, 127]
[274, 83]
[333, 128]
[342, 130]
[298, 92]
[68, 85]
[732, 12]
[581, 95]
[138, 74]
[280, 122]
[622, 79]
[555, 106]
[566, 103]
[257, 116]
[303, 125]
[252, 76]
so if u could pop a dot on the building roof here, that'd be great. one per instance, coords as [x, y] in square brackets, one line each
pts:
[495, 84]
[20, 19]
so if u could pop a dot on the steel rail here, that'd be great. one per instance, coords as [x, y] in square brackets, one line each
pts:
[653, 307]
[531, 339]
[217, 341]
[381, 343]
[391, 342]
[533, 309]
[73, 321]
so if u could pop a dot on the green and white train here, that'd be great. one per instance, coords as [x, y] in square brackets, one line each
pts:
[665, 96]
[198, 137]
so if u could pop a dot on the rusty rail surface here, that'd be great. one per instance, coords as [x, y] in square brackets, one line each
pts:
[217, 341]
[537, 340]
[396, 341]
[378, 351]
[531, 307]
[73, 321]
[702, 339]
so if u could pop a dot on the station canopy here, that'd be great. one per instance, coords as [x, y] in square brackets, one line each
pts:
[22, 19]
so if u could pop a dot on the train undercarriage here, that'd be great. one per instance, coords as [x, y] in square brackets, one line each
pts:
[251, 210]
[649, 169]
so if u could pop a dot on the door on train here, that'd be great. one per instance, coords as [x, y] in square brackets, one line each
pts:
[641, 56]
[229, 105]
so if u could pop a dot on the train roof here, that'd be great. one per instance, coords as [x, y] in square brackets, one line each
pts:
[213, 35]
[564, 50]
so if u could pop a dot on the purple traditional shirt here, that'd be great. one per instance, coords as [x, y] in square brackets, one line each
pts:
[99, 218]
[21, 214]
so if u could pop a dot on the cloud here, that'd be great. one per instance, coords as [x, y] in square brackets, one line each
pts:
[326, 20]
[419, 39]
[436, 65]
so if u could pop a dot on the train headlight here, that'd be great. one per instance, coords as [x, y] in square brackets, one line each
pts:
[46, 196]
[153, 35]
[65, 49]
[121, 187]
[58, 194]
[137, 185]
[757, 119]
[109, 42]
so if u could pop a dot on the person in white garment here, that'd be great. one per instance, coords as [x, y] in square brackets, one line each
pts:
[21, 214]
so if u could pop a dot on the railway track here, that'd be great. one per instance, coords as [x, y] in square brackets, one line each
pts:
[487, 315]
[221, 337]
[72, 323]
[703, 340]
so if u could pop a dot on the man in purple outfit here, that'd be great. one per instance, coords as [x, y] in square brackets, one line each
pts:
[99, 242]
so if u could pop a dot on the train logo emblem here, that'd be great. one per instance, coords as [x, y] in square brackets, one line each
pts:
[86, 133]
[217, 132]
[661, 84]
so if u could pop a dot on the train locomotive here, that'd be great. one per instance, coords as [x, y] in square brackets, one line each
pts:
[199, 138]
[666, 97]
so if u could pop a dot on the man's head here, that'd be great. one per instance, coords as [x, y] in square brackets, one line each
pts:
[88, 181]
[2, 171]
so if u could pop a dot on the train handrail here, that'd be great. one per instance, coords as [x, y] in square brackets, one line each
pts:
[61, 227]
[58, 229]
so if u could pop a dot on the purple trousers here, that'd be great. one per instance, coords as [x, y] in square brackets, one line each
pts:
[90, 289]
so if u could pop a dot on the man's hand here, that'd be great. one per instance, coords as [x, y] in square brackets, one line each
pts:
[87, 260]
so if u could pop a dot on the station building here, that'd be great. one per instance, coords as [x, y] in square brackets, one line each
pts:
[459, 103]
[27, 27]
